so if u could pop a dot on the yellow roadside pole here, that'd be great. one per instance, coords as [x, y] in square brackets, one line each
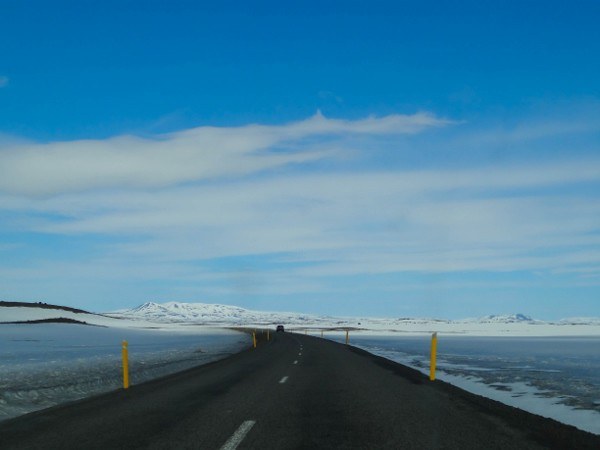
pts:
[268, 335]
[347, 337]
[254, 339]
[433, 356]
[125, 353]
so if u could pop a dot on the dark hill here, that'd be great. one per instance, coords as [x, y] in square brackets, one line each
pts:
[42, 306]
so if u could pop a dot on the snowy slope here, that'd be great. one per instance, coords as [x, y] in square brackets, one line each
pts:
[13, 312]
[20, 312]
[209, 314]
[510, 318]
[580, 321]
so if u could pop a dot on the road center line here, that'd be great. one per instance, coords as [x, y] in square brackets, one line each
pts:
[239, 435]
[283, 380]
[296, 362]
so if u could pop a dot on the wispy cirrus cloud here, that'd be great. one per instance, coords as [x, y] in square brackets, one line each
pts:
[351, 223]
[204, 153]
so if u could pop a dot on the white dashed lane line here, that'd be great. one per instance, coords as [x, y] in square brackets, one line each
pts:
[296, 362]
[283, 380]
[239, 435]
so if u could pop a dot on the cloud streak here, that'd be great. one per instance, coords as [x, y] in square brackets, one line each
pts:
[374, 222]
[199, 154]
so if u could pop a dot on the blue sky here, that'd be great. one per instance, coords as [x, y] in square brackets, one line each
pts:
[347, 158]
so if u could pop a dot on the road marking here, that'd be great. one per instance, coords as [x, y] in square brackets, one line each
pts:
[283, 380]
[300, 354]
[296, 362]
[239, 435]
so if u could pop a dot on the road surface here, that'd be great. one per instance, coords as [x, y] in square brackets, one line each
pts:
[292, 392]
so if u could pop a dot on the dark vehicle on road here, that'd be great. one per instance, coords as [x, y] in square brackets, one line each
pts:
[280, 328]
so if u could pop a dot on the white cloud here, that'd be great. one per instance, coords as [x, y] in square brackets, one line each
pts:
[204, 153]
[373, 222]
[188, 198]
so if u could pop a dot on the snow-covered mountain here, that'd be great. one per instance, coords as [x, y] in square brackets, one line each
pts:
[209, 314]
[594, 321]
[510, 318]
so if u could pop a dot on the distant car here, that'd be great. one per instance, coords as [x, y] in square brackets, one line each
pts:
[280, 328]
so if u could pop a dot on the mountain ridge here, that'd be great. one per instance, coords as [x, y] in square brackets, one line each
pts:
[181, 313]
[174, 312]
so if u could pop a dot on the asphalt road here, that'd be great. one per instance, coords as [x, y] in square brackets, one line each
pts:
[293, 392]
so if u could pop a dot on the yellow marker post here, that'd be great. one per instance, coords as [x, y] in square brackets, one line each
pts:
[254, 339]
[268, 336]
[125, 353]
[347, 337]
[433, 356]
